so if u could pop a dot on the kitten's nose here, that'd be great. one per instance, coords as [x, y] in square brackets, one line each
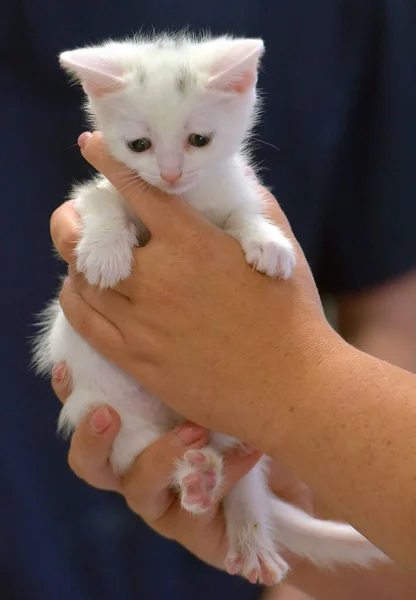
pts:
[171, 177]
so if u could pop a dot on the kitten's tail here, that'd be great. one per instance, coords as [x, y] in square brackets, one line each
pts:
[325, 543]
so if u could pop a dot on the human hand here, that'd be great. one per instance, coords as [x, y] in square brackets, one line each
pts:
[193, 323]
[146, 486]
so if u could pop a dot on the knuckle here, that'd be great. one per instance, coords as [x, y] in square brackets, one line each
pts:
[133, 494]
[74, 312]
[64, 236]
[133, 502]
[131, 482]
[74, 464]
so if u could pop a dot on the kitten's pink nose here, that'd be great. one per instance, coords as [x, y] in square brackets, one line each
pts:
[171, 177]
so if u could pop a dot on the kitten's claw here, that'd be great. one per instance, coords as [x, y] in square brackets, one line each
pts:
[199, 477]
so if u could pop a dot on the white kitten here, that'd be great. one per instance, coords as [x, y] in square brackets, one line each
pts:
[177, 111]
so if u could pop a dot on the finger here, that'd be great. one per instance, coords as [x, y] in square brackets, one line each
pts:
[91, 447]
[96, 329]
[162, 213]
[109, 303]
[61, 381]
[147, 484]
[64, 228]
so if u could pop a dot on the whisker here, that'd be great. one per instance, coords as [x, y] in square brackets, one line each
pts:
[266, 143]
[140, 184]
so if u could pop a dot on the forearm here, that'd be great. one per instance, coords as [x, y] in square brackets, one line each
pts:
[350, 436]
[386, 342]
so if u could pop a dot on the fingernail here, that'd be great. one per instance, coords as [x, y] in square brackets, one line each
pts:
[82, 140]
[190, 433]
[244, 450]
[100, 420]
[59, 371]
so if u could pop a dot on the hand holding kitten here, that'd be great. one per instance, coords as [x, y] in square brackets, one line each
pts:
[188, 263]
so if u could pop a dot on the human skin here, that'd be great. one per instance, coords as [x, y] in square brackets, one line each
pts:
[379, 320]
[264, 367]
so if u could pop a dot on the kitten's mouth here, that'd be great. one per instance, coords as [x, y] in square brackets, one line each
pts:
[176, 188]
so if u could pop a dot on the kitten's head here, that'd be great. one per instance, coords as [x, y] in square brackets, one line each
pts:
[170, 108]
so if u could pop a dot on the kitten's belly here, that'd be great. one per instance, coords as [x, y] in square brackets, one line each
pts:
[93, 374]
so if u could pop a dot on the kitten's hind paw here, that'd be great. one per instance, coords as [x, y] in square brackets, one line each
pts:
[257, 566]
[252, 554]
[199, 477]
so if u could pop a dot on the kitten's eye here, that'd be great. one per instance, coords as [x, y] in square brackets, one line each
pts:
[199, 141]
[139, 145]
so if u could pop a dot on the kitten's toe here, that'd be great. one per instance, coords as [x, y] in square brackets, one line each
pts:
[253, 556]
[264, 567]
[105, 263]
[271, 255]
[286, 262]
[199, 477]
[273, 569]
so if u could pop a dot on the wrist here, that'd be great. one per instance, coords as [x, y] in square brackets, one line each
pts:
[299, 388]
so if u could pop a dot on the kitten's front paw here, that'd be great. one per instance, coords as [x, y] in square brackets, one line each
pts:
[105, 263]
[269, 251]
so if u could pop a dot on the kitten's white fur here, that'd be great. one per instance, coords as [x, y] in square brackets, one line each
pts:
[165, 89]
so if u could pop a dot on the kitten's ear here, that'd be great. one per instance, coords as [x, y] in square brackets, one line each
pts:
[99, 71]
[235, 67]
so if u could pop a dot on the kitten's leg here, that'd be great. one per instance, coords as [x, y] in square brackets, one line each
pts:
[252, 552]
[266, 248]
[104, 252]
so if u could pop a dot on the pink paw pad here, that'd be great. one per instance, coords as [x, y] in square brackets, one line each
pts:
[198, 477]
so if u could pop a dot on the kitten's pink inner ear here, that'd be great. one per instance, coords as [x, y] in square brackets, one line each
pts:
[236, 69]
[98, 89]
[98, 73]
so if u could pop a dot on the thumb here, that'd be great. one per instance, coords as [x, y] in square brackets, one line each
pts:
[161, 213]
